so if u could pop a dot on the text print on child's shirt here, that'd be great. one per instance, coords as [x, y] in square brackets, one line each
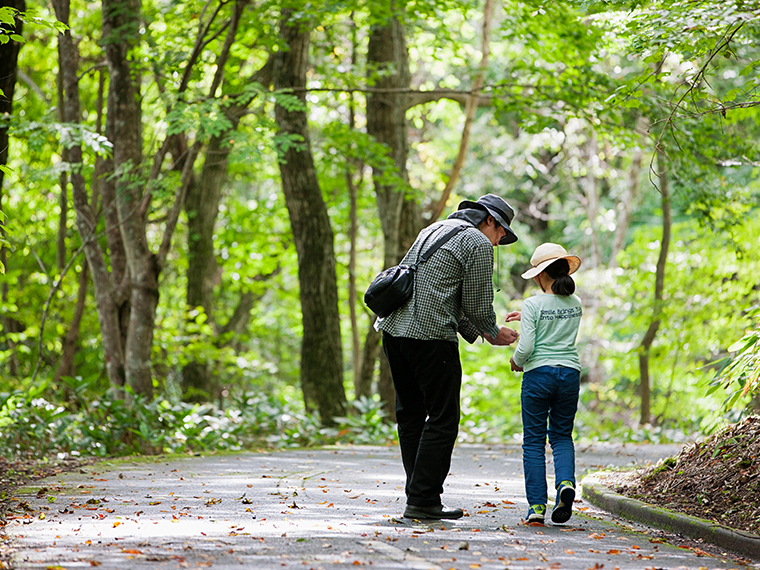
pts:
[551, 314]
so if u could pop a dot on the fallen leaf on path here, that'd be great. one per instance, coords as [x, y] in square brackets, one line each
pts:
[568, 551]
[571, 529]
[597, 536]
[613, 551]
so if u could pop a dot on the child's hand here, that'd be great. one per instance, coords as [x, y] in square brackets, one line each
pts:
[514, 366]
[513, 316]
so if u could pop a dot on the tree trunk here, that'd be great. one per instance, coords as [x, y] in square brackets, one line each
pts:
[8, 67]
[625, 206]
[590, 185]
[70, 340]
[370, 353]
[659, 287]
[202, 208]
[121, 34]
[387, 55]
[85, 218]
[386, 122]
[321, 358]
[360, 389]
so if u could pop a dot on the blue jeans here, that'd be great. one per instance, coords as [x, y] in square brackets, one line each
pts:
[548, 392]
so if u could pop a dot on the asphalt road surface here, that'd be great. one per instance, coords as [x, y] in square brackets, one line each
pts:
[328, 509]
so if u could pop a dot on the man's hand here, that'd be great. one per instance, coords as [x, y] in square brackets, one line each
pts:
[513, 316]
[505, 337]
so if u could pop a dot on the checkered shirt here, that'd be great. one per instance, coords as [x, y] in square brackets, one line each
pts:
[453, 289]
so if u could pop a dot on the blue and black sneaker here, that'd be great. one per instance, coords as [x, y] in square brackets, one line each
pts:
[563, 507]
[536, 514]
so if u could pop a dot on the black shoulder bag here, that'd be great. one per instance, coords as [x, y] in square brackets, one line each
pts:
[394, 286]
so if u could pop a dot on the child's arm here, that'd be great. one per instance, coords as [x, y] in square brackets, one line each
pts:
[525, 347]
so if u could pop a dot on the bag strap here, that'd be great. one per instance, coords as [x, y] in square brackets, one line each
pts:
[439, 242]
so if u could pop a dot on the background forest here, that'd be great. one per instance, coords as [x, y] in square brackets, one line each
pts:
[195, 195]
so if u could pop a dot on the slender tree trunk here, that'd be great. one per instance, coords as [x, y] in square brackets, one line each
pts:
[470, 109]
[659, 288]
[590, 185]
[8, 68]
[356, 355]
[202, 206]
[360, 389]
[321, 358]
[71, 339]
[625, 206]
[63, 179]
[370, 354]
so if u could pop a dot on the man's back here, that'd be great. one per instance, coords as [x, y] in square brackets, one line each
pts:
[452, 290]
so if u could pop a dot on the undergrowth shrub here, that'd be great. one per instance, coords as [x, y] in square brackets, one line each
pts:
[33, 426]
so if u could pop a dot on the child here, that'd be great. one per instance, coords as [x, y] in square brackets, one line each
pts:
[551, 381]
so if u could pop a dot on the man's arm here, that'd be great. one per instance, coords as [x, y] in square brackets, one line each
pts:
[477, 291]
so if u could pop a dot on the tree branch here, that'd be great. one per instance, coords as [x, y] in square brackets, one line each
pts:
[695, 82]
[179, 202]
[472, 105]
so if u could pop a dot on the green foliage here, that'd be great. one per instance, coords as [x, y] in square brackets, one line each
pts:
[572, 94]
[741, 375]
[91, 423]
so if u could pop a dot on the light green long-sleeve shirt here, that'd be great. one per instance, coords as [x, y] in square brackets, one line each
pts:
[548, 329]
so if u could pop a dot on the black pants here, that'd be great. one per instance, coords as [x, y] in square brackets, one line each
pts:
[427, 375]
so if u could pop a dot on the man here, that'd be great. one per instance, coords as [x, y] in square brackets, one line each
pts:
[453, 293]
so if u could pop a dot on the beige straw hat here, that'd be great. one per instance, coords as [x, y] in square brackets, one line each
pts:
[548, 253]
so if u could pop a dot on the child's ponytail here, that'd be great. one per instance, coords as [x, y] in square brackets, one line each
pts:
[563, 283]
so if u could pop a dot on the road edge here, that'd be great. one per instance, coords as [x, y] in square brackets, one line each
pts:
[596, 493]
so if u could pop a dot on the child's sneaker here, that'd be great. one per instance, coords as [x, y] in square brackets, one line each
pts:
[536, 514]
[563, 507]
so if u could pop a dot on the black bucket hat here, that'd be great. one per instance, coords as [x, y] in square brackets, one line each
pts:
[499, 209]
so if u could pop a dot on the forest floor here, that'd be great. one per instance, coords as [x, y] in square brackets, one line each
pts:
[717, 479]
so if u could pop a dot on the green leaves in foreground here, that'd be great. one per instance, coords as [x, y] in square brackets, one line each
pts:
[742, 375]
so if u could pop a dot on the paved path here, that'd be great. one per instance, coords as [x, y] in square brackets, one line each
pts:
[325, 509]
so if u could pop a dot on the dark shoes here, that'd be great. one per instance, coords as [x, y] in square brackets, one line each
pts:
[437, 512]
[563, 507]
